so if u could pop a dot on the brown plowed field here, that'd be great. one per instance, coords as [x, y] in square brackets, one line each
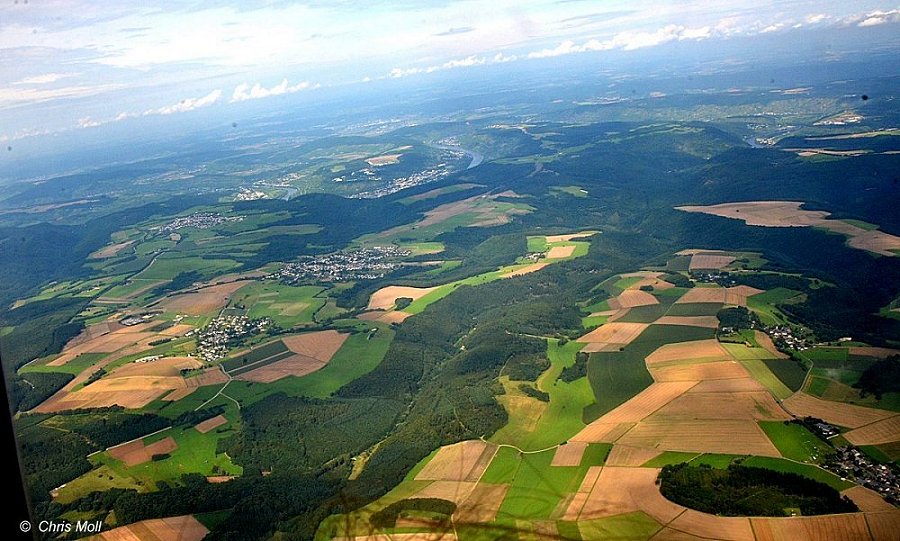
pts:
[702, 372]
[804, 405]
[710, 322]
[295, 365]
[386, 297]
[623, 490]
[710, 261]
[569, 454]
[457, 462]
[880, 353]
[867, 500]
[624, 455]
[848, 527]
[482, 504]
[704, 436]
[706, 525]
[321, 345]
[884, 526]
[697, 349]
[884, 431]
[205, 426]
[136, 452]
[183, 528]
[203, 301]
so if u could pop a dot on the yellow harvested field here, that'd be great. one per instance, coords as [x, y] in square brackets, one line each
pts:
[485, 210]
[668, 534]
[737, 437]
[166, 366]
[386, 297]
[884, 526]
[136, 452]
[867, 500]
[645, 403]
[696, 349]
[454, 491]
[849, 415]
[694, 251]
[635, 297]
[846, 527]
[702, 372]
[706, 525]
[527, 269]
[571, 236]
[884, 431]
[205, 426]
[691, 406]
[387, 159]
[569, 454]
[590, 478]
[736, 295]
[482, 504]
[602, 432]
[558, 252]
[789, 214]
[182, 528]
[614, 333]
[764, 213]
[111, 250]
[462, 461]
[627, 456]
[765, 341]
[710, 261]
[710, 322]
[177, 330]
[866, 351]
[624, 490]
[202, 301]
[728, 386]
[321, 345]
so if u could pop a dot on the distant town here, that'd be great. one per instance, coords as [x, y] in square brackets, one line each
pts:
[199, 220]
[363, 264]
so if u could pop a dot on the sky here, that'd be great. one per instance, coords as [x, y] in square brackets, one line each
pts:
[68, 65]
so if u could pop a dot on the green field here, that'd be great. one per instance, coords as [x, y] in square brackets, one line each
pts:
[806, 470]
[101, 478]
[287, 306]
[538, 488]
[668, 458]
[765, 304]
[166, 267]
[574, 191]
[196, 453]
[796, 442]
[760, 371]
[562, 417]
[743, 353]
[790, 372]
[636, 526]
[695, 309]
[74, 367]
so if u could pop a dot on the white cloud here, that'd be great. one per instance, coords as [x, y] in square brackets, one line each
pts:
[188, 104]
[244, 91]
[88, 122]
[10, 95]
[814, 19]
[44, 79]
[772, 28]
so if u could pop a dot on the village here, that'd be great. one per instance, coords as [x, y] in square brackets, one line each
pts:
[199, 220]
[226, 332]
[363, 264]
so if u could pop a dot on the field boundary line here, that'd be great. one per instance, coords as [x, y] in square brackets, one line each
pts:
[131, 441]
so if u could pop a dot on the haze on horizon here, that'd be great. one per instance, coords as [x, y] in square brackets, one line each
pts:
[74, 66]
